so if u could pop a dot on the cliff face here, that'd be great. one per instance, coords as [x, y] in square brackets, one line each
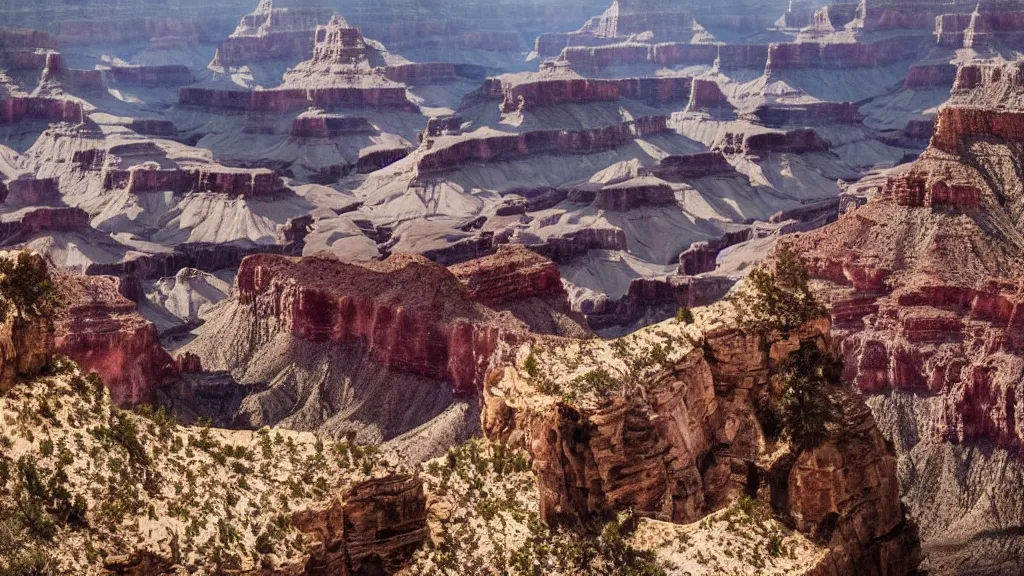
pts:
[684, 439]
[102, 331]
[269, 33]
[521, 92]
[14, 108]
[924, 287]
[320, 300]
[454, 152]
[376, 525]
[281, 100]
[404, 326]
[26, 345]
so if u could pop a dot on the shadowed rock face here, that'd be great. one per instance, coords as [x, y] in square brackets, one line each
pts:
[102, 331]
[373, 528]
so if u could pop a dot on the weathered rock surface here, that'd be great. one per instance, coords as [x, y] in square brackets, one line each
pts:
[102, 331]
[924, 290]
[693, 442]
[405, 329]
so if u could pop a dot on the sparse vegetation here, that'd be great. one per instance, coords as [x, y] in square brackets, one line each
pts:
[81, 479]
[684, 316]
[495, 527]
[778, 297]
[26, 284]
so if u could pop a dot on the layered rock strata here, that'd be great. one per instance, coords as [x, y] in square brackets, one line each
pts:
[682, 439]
[102, 331]
[923, 284]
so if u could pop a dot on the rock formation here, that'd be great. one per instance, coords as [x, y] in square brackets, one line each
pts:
[102, 331]
[686, 440]
[406, 319]
[272, 33]
[924, 292]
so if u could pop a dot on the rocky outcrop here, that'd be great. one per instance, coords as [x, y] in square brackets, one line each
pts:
[930, 76]
[798, 141]
[317, 124]
[19, 38]
[272, 33]
[683, 439]
[14, 108]
[626, 195]
[701, 257]
[380, 156]
[409, 313]
[800, 55]
[513, 273]
[809, 114]
[706, 95]
[281, 100]
[655, 299]
[19, 226]
[525, 92]
[102, 331]
[26, 343]
[451, 153]
[154, 127]
[374, 527]
[232, 182]
[35, 191]
[689, 166]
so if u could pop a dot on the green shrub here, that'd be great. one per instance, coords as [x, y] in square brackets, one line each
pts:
[778, 297]
[26, 284]
[808, 409]
[684, 316]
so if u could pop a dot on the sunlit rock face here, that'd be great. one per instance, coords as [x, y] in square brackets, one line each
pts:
[925, 296]
[688, 440]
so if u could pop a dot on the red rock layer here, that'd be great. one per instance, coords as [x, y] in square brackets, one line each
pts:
[238, 182]
[281, 100]
[692, 445]
[451, 155]
[410, 314]
[102, 331]
[542, 92]
[514, 273]
[319, 125]
[924, 280]
[37, 220]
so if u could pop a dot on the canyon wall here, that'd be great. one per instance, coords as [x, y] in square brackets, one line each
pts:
[456, 152]
[102, 331]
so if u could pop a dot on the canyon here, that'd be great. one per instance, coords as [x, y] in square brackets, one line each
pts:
[420, 239]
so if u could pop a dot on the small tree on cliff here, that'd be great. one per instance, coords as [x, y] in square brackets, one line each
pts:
[26, 285]
[778, 297]
[808, 409]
